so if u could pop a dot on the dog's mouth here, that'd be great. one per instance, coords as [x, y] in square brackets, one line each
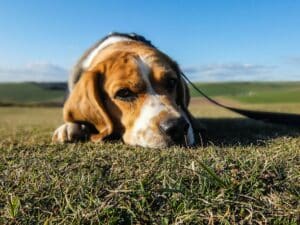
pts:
[155, 140]
[179, 140]
[182, 142]
[171, 131]
[175, 131]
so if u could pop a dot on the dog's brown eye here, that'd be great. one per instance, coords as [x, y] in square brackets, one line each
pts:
[125, 94]
[171, 84]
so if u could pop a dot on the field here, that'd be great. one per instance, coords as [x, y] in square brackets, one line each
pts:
[247, 92]
[254, 92]
[247, 173]
[29, 94]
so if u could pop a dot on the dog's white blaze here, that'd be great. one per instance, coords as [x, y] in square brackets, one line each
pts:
[151, 108]
[111, 40]
[142, 132]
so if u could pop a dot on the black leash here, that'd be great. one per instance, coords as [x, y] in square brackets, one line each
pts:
[288, 119]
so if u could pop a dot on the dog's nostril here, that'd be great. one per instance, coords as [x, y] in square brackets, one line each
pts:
[175, 128]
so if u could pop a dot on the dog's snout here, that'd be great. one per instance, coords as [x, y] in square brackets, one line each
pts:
[176, 128]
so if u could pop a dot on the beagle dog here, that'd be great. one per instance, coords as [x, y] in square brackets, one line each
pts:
[125, 87]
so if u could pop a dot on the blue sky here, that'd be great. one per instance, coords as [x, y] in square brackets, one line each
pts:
[211, 40]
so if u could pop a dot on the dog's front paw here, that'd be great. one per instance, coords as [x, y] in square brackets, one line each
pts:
[71, 132]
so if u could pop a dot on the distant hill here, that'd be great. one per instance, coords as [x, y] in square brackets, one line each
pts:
[31, 93]
[52, 85]
[53, 94]
[253, 92]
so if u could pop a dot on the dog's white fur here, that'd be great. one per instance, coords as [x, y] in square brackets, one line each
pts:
[109, 41]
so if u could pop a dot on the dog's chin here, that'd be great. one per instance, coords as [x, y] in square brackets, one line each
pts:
[145, 139]
[162, 144]
[149, 144]
[155, 142]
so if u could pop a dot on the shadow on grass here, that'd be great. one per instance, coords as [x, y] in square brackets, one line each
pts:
[231, 132]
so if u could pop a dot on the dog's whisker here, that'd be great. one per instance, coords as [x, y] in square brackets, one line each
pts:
[201, 140]
[186, 140]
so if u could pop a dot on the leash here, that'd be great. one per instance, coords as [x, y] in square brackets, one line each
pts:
[288, 119]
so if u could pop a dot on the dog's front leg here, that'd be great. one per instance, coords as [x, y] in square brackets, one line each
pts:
[71, 132]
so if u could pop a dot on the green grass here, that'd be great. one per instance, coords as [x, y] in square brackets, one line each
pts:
[253, 92]
[111, 183]
[28, 93]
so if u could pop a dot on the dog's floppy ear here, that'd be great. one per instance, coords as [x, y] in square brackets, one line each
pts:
[183, 100]
[183, 94]
[85, 105]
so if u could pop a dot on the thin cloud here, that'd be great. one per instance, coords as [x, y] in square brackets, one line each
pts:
[48, 72]
[34, 72]
[191, 70]
[229, 72]
[295, 60]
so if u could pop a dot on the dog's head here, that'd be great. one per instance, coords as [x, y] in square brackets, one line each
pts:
[132, 90]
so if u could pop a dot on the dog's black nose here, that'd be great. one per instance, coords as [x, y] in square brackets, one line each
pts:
[175, 128]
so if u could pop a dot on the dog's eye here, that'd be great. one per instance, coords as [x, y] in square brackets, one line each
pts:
[125, 94]
[171, 83]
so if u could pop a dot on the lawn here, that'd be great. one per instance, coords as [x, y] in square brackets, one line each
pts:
[253, 175]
